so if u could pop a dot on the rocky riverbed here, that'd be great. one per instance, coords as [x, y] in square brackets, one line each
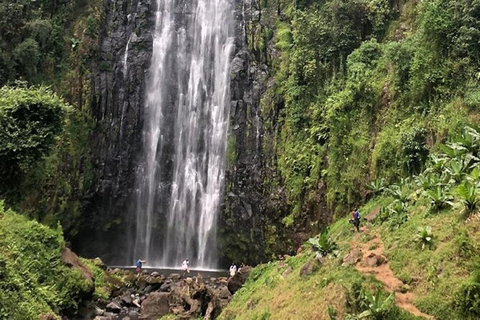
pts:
[153, 295]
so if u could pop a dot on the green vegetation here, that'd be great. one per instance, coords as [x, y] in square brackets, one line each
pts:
[277, 290]
[50, 43]
[43, 143]
[432, 249]
[363, 92]
[30, 120]
[33, 279]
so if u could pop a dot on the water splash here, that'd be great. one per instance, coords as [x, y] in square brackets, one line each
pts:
[185, 134]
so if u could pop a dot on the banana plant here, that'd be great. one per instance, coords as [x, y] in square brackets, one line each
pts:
[401, 192]
[470, 139]
[428, 180]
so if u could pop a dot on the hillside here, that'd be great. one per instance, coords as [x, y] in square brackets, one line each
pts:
[350, 92]
[419, 240]
[35, 283]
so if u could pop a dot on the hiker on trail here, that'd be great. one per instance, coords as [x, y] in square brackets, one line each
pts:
[140, 263]
[233, 270]
[355, 219]
[185, 267]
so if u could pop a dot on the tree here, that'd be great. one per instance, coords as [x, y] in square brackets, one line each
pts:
[30, 119]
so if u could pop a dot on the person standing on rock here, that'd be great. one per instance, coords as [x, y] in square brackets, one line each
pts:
[233, 270]
[185, 267]
[140, 263]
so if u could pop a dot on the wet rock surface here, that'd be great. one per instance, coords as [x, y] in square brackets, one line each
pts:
[153, 295]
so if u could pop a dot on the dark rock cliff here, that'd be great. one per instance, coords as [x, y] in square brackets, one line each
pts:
[241, 232]
[252, 196]
[117, 107]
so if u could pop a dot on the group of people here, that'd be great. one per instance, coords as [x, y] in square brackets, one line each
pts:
[185, 266]
[355, 220]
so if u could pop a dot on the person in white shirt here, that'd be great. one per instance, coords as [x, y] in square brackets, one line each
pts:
[185, 267]
[233, 270]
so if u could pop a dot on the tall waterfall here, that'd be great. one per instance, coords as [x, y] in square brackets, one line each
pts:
[180, 181]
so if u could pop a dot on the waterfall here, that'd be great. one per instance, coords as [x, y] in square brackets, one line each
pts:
[180, 181]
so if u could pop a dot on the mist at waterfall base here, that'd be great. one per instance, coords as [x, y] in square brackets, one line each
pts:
[179, 181]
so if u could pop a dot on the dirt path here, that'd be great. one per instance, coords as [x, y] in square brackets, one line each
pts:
[373, 262]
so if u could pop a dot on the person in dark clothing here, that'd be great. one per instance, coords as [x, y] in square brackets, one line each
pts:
[355, 220]
[140, 263]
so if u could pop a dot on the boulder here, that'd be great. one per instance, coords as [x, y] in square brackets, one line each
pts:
[71, 260]
[174, 276]
[237, 281]
[114, 307]
[223, 293]
[155, 306]
[287, 271]
[353, 257]
[165, 287]
[98, 311]
[126, 299]
[308, 268]
[374, 260]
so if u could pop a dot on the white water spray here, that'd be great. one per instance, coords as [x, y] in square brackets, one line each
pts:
[186, 125]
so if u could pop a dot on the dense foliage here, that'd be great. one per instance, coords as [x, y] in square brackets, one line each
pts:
[48, 42]
[30, 120]
[33, 279]
[362, 92]
[42, 149]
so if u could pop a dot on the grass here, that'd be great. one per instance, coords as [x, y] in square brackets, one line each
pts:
[434, 275]
[34, 282]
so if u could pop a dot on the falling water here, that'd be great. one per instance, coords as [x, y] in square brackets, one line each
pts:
[125, 57]
[185, 133]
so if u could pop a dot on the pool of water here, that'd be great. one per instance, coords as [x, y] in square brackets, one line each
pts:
[208, 273]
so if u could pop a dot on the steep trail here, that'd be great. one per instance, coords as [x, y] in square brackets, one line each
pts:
[373, 262]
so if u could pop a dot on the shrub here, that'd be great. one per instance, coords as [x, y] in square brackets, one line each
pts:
[468, 299]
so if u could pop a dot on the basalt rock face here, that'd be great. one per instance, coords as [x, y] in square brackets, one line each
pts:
[242, 219]
[117, 108]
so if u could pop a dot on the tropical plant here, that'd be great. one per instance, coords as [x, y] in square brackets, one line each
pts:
[397, 214]
[378, 305]
[323, 244]
[468, 298]
[467, 192]
[382, 215]
[470, 139]
[377, 186]
[457, 169]
[437, 163]
[401, 192]
[428, 180]
[424, 236]
[439, 199]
